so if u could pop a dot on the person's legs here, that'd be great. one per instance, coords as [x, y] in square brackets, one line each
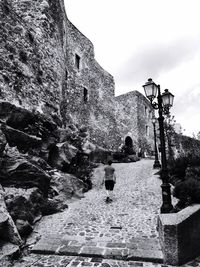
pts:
[111, 194]
[107, 193]
[111, 189]
[107, 186]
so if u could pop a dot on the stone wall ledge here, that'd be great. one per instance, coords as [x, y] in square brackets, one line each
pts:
[179, 235]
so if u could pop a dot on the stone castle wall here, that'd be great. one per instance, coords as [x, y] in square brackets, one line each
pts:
[96, 111]
[47, 64]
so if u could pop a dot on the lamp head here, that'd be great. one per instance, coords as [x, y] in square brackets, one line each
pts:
[150, 89]
[167, 99]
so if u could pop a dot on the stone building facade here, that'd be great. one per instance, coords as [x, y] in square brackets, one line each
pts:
[88, 95]
[134, 114]
[47, 64]
[89, 98]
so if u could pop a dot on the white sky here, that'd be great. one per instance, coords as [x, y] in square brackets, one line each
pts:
[138, 39]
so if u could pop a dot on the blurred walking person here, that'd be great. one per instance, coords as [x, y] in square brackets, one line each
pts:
[109, 180]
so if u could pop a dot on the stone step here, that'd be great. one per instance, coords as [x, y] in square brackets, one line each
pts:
[137, 250]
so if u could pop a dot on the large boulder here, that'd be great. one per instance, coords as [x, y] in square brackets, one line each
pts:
[54, 205]
[30, 122]
[19, 204]
[8, 230]
[6, 109]
[28, 206]
[23, 141]
[18, 171]
[64, 186]
[82, 167]
[61, 154]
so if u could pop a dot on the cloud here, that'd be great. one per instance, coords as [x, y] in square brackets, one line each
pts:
[154, 59]
[189, 102]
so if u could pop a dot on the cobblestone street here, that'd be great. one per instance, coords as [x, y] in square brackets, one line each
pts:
[137, 199]
[94, 233]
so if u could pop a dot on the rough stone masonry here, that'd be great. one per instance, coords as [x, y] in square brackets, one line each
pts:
[47, 64]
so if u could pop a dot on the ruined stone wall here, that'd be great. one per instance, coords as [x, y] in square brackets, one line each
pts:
[97, 111]
[133, 119]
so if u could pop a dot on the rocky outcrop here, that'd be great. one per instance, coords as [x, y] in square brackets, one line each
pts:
[32, 53]
[3, 142]
[21, 140]
[41, 167]
[8, 229]
[61, 154]
[43, 159]
[30, 122]
[66, 185]
[21, 172]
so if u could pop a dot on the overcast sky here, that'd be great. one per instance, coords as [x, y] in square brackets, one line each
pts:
[138, 39]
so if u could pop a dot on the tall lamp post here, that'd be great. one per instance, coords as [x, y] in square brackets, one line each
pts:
[163, 104]
[169, 129]
[156, 164]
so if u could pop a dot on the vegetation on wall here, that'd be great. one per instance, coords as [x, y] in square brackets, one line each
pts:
[185, 171]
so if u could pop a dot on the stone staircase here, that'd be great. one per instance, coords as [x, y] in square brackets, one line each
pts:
[139, 249]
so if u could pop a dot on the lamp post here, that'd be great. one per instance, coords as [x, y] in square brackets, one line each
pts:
[164, 103]
[169, 129]
[156, 164]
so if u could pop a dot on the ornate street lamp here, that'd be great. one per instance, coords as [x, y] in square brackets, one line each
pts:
[164, 103]
[156, 164]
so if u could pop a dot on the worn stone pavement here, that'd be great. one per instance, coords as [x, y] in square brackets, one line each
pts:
[93, 233]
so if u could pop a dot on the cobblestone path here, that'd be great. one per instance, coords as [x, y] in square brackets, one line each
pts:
[93, 233]
[137, 200]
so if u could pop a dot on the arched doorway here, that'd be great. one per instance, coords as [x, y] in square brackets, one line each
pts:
[128, 147]
[128, 141]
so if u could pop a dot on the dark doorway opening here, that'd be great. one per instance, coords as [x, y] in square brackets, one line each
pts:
[128, 147]
[128, 141]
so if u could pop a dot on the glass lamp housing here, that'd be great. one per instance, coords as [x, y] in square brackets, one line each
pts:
[167, 99]
[150, 89]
